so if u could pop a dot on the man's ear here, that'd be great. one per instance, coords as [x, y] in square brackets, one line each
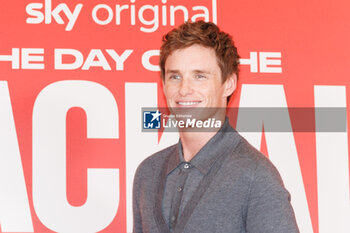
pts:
[230, 85]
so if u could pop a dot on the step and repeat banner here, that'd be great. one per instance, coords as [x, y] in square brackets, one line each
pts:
[75, 74]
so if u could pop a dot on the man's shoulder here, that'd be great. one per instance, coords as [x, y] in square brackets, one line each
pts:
[155, 161]
[252, 159]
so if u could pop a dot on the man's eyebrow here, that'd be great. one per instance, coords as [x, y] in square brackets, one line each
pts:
[201, 71]
[172, 71]
[197, 71]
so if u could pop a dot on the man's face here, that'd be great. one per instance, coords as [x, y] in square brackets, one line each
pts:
[193, 79]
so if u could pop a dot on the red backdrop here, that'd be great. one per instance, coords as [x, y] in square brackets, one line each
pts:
[96, 60]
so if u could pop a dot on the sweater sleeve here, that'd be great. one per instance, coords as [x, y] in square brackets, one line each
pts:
[137, 225]
[269, 208]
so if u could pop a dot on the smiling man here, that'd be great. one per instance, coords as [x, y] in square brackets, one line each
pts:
[212, 181]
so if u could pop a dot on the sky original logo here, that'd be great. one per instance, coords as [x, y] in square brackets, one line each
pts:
[151, 119]
[150, 16]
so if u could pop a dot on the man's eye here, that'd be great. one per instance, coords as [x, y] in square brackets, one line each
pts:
[174, 77]
[200, 76]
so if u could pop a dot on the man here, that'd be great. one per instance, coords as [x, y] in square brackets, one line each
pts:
[210, 181]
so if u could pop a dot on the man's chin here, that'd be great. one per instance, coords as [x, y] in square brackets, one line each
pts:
[197, 119]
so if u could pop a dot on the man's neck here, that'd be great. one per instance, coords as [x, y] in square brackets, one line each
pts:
[192, 142]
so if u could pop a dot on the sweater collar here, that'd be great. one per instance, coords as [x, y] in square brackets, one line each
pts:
[222, 141]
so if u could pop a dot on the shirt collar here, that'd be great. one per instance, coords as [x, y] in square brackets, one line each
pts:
[224, 140]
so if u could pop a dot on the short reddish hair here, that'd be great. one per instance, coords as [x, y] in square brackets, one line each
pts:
[206, 34]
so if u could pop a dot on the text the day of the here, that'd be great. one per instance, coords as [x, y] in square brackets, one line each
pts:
[110, 59]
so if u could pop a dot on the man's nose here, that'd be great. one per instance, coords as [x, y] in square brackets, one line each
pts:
[185, 87]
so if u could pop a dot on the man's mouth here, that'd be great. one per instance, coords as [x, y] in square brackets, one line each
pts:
[187, 103]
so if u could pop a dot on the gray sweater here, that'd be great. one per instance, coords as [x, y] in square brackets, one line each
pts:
[228, 187]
